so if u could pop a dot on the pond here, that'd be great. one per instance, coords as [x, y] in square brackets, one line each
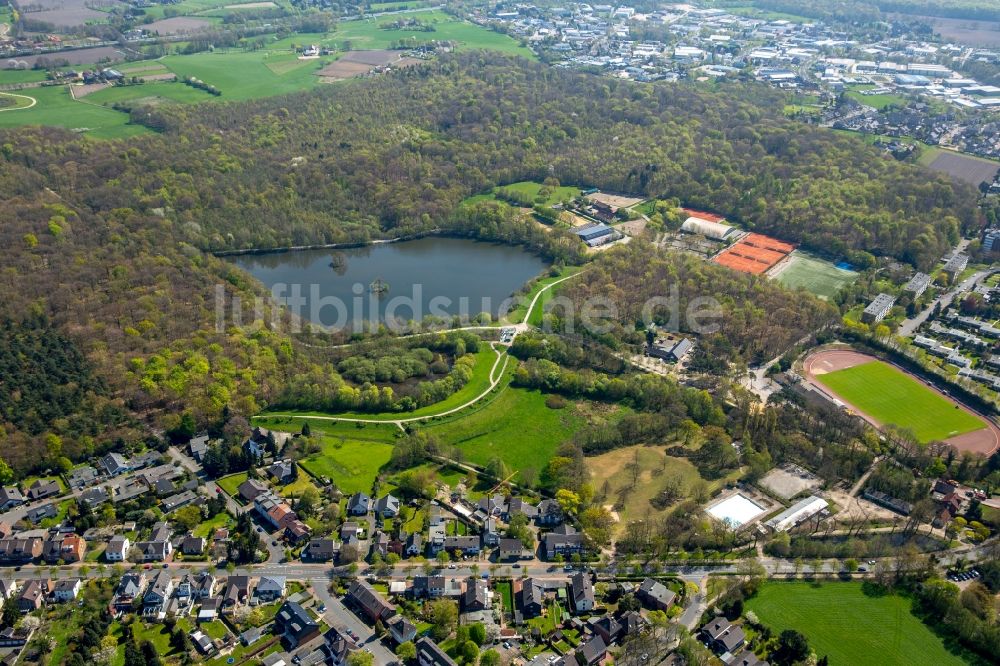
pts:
[394, 282]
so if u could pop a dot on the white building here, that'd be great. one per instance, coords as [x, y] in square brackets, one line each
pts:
[798, 512]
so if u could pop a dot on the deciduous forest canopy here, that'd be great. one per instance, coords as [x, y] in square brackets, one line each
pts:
[108, 240]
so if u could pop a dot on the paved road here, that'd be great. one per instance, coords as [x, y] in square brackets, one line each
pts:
[909, 326]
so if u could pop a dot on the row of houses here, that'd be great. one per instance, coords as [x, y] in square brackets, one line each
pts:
[33, 594]
[163, 594]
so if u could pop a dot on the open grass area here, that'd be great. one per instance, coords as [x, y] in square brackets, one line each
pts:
[299, 486]
[848, 626]
[156, 92]
[208, 527]
[244, 75]
[350, 459]
[815, 275]
[878, 101]
[889, 395]
[517, 315]
[231, 483]
[55, 107]
[657, 471]
[515, 426]
[368, 34]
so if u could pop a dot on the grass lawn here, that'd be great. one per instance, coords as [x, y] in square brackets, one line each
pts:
[55, 107]
[889, 395]
[878, 101]
[207, 528]
[241, 75]
[852, 629]
[515, 426]
[215, 629]
[506, 592]
[231, 483]
[531, 188]
[150, 93]
[547, 623]
[656, 470]
[479, 382]
[349, 462]
[517, 314]
[815, 275]
[158, 635]
[368, 35]
[297, 487]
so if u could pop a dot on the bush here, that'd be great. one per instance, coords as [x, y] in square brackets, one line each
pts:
[555, 402]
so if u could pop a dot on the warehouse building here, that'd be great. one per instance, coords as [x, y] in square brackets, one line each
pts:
[596, 234]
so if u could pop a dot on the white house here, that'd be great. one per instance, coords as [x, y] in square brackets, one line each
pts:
[270, 588]
[67, 590]
[118, 548]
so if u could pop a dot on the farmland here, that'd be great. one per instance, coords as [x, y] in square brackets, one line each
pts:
[967, 168]
[889, 395]
[848, 626]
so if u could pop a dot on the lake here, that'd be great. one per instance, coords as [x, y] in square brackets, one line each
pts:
[395, 282]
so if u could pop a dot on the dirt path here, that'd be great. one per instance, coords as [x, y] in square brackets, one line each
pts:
[31, 102]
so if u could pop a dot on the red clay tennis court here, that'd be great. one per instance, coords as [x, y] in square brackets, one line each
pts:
[754, 253]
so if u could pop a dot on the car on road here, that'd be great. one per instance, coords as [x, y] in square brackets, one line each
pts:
[260, 529]
[862, 569]
[452, 566]
[274, 543]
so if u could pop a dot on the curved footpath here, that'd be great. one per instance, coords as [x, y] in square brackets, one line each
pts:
[31, 102]
[495, 376]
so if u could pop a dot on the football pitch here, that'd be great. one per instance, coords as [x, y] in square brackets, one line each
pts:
[851, 628]
[889, 395]
[815, 275]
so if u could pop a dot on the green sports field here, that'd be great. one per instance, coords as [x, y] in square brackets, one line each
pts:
[849, 627]
[815, 275]
[889, 395]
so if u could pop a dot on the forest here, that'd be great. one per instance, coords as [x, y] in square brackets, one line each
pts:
[110, 241]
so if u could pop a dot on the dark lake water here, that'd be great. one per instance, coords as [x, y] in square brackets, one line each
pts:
[435, 276]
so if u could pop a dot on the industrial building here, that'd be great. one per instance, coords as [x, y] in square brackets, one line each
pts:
[596, 234]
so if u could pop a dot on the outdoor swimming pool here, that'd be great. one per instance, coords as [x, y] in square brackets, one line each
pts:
[737, 510]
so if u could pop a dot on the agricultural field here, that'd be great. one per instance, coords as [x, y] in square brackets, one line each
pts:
[850, 627]
[889, 395]
[966, 168]
[149, 93]
[879, 102]
[815, 275]
[241, 75]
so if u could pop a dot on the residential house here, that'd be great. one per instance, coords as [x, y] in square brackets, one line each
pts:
[204, 587]
[563, 540]
[605, 626]
[163, 487]
[465, 545]
[491, 535]
[282, 471]
[251, 636]
[747, 658]
[115, 464]
[10, 496]
[31, 597]
[359, 504]
[387, 507]
[655, 595]
[370, 602]
[349, 530]
[67, 590]
[429, 587]
[43, 488]
[156, 596]
[401, 629]
[414, 545]
[209, 610]
[40, 513]
[73, 548]
[495, 505]
[270, 588]
[592, 652]
[237, 592]
[184, 591]
[117, 549]
[297, 531]
[581, 593]
[251, 489]
[12, 637]
[549, 513]
[130, 588]
[19, 550]
[380, 544]
[198, 447]
[158, 548]
[175, 502]
[295, 625]
[531, 598]
[512, 550]
[723, 636]
[192, 545]
[8, 588]
[337, 648]
[476, 596]
[94, 497]
[517, 506]
[321, 550]
[202, 642]
[81, 477]
[430, 654]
